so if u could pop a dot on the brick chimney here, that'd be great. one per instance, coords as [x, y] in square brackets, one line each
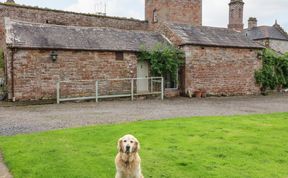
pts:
[252, 23]
[236, 8]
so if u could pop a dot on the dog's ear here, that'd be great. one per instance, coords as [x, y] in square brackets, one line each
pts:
[119, 145]
[137, 146]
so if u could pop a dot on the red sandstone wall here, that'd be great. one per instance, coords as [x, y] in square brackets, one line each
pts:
[35, 75]
[40, 15]
[64, 18]
[221, 71]
[177, 11]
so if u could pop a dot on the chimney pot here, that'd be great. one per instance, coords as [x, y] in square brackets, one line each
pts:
[252, 22]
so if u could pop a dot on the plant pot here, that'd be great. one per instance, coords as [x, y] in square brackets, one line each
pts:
[198, 94]
[203, 94]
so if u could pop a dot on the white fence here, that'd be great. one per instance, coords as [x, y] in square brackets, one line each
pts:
[110, 88]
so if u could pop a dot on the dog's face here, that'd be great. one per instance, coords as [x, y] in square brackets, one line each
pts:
[128, 144]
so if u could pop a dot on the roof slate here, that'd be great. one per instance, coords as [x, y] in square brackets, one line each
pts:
[266, 32]
[33, 35]
[211, 36]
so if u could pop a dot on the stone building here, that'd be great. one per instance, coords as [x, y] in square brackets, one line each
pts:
[90, 47]
[83, 54]
[273, 37]
[218, 60]
[174, 11]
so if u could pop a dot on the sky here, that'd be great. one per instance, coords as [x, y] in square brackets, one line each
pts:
[215, 12]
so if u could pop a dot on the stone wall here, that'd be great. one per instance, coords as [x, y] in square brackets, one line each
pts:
[35, 75]
[221, 71]
[279, 45]
[40, 15]
[178, 11]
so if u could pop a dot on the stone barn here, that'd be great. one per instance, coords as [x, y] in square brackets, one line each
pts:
[218, 60]
[81, 54]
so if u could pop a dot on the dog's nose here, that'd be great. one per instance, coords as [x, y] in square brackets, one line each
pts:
[127, 147]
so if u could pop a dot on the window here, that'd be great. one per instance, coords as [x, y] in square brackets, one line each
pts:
[232, 13]
[155, 16]
[240, 13]
[119, 56]
[171, 83]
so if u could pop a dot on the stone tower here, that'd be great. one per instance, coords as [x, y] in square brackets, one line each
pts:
[175, 11]
[236, 8]
[10, 1]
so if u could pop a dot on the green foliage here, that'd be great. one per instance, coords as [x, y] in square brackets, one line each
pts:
[234, 146]
[164, 59]
[274, 72]
[1, 59]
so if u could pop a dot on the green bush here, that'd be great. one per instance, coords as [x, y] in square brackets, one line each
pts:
[274, 73]
[164, 59]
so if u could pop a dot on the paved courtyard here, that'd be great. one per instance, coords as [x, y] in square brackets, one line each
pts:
[27, 119]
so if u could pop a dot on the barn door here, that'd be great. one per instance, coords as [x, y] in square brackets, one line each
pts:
[142, 72]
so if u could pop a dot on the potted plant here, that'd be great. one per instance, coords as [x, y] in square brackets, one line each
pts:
[203, 93]
[198, 93]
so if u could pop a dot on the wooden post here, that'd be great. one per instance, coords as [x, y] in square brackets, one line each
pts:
[97, 94]
[132, 89]
[151, 84]
[58, 92]
[162, 88]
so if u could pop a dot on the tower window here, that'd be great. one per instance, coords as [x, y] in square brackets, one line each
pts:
[232, 13]
[155, 16]
[240, 13]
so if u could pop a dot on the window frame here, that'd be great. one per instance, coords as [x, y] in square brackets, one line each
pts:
[155, 16]
[119, 56]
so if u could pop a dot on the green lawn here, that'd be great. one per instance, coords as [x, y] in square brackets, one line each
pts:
[237, 146]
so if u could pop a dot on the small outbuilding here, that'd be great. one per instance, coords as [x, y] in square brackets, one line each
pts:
[218, 60]
[39, 55]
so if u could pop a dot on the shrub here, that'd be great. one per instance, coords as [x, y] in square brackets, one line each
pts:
[274, 73]
[164, 59]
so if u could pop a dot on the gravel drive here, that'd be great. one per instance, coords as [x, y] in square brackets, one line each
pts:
[28, 119]
[4, 172]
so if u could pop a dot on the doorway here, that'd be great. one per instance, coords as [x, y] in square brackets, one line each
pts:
[142, 73]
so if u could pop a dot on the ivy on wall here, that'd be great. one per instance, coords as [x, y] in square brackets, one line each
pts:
[274, 73]
[164, 59]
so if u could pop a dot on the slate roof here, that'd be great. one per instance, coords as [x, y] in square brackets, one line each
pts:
[266, 32]
[46, 36]
[211, 36]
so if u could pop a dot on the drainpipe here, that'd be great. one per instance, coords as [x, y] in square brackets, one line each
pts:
[12, 74]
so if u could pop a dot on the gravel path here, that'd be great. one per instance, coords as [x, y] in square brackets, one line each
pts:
[27, 119]
[4, 173]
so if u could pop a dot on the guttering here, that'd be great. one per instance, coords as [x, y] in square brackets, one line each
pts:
[267, 38]
[75, 49]
[221, 46]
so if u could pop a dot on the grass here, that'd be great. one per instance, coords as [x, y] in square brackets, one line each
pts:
[237, 146]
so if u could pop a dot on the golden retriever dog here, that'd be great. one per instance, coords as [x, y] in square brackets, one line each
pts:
[127, 161]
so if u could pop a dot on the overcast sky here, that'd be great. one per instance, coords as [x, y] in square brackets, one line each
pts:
[215, 12]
